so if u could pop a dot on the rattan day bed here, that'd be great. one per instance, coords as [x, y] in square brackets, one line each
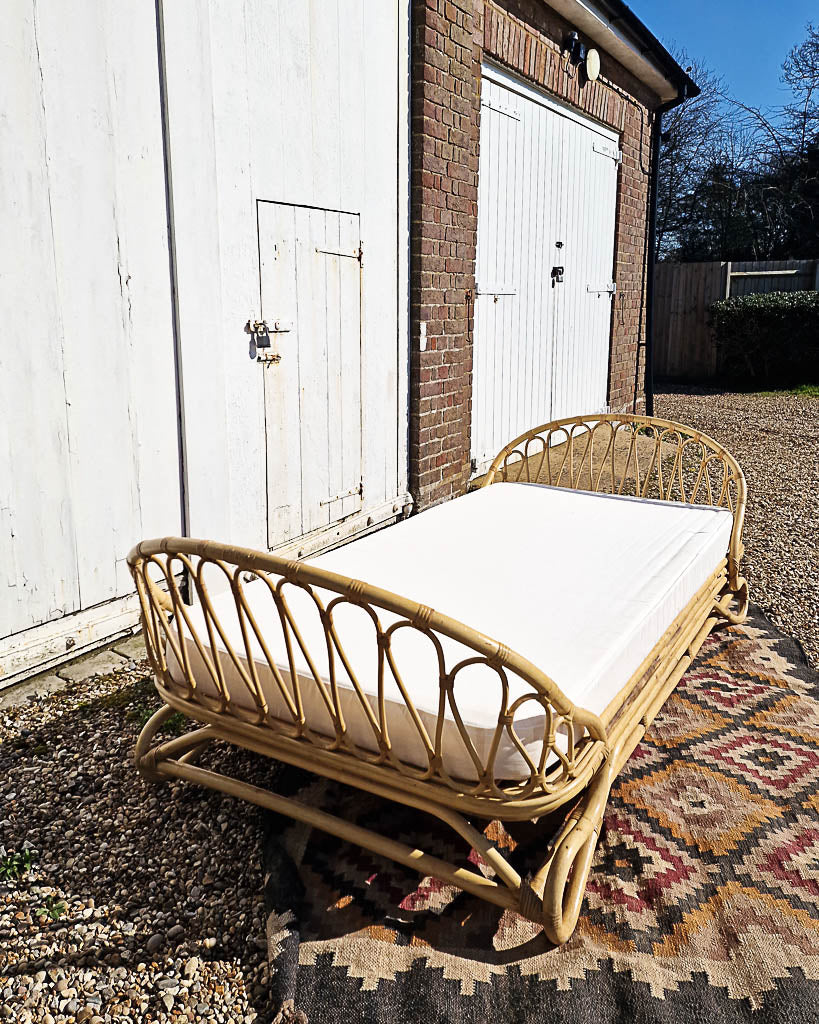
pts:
[548, 615]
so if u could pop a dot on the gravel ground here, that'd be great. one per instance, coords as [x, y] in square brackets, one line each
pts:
[124, 901]
[775, 439]
[142, 903]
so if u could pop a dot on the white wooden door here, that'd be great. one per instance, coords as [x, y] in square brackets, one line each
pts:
[583, 300]
[89, 459]
[546, 199]
[513, 304]
[311, 288]
[274, 106]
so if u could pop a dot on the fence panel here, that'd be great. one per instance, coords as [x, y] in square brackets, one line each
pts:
[684, 344]
[684, 347]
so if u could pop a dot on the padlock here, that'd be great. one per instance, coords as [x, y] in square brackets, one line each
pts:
[259, 331]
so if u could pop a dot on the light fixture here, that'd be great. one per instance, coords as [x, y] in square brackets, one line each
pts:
[576, 48]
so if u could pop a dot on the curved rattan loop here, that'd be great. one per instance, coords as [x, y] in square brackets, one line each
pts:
[244, 698]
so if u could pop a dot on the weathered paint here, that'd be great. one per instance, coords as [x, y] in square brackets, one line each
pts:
[264, 102]
[88, 454]
[301, 104]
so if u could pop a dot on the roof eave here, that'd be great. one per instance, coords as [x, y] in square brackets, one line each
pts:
[614, 27]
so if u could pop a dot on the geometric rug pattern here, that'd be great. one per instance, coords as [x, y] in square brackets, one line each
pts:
[702, 903]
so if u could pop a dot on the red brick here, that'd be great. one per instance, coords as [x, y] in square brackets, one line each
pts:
[449, 41]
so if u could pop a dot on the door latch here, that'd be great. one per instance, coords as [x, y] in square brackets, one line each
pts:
[557, 275]
[260, 332]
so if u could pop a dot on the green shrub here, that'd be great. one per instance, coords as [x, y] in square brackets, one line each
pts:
[767, 339]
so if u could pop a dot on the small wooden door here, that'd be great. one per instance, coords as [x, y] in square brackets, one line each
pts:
[310, 263]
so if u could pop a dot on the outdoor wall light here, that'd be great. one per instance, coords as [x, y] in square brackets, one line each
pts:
[576, 48]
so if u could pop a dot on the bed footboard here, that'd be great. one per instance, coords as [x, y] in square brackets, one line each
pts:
[231, 703]
[253, 668]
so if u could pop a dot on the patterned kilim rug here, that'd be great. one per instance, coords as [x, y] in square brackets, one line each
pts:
[702, 905]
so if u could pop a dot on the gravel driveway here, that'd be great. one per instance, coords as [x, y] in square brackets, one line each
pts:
[135, 902]
[775, 438]
[141, 903]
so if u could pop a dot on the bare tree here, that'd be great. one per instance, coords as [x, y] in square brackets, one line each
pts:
[738, 181]
[690, 134]
[801, 72]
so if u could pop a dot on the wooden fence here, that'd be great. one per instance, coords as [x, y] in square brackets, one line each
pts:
[684, 347]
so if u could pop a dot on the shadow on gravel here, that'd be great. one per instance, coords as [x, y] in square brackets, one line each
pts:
[148, 873]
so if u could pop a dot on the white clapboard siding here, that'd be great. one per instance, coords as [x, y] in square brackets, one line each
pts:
[540, 349]
[302, 104]
[89, 447]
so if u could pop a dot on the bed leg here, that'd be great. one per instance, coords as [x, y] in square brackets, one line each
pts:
[563, 895]
[187, 748]
[562, 878]
[738, 593]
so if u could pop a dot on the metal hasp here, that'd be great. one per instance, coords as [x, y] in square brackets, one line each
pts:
[260, 331]
[557, 275]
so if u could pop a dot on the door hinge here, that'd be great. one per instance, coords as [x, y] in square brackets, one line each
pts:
[501, 108]
[608, 289]
[609, 149]
[350, 254]
[494, 288]
[346, 494]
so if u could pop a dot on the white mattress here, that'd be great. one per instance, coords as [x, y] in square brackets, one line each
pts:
[581, 584]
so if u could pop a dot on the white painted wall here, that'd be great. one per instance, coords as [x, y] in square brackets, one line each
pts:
[541, 351]
[88, 429]
[303, 104]
[267, 100]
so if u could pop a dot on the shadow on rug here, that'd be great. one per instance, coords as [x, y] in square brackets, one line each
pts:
[703, 902]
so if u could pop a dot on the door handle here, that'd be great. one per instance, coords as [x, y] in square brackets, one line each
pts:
[557, 275]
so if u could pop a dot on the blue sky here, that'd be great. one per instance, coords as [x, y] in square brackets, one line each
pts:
[745, 40]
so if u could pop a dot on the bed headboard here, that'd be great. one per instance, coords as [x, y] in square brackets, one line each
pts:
[640, 456]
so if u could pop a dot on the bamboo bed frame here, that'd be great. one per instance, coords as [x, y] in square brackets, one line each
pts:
[632, 455]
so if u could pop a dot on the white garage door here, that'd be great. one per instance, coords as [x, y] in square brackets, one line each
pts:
[546, 200]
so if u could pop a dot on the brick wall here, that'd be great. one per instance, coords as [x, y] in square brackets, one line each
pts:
[444, 208]
[450, 38]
